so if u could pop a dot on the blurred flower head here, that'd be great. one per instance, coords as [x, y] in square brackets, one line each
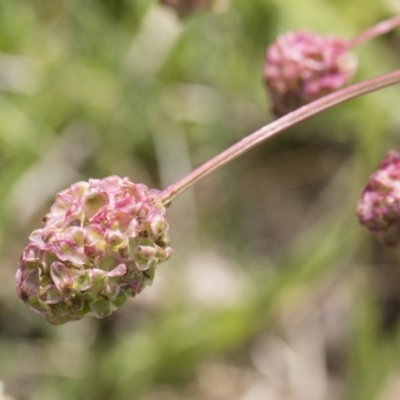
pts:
[300, 67]
[186, 7]
[379, 207]
[99, 246]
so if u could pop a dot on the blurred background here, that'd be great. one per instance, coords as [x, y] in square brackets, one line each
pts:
[274, 291]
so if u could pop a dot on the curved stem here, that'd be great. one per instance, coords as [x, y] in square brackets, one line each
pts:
[376, 30]
[276, 127]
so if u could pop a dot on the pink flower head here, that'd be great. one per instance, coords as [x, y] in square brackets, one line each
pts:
[186, 7]
[99, 245]
[300, 67]
[379, 207]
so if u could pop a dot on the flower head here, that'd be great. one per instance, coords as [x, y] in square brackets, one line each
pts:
[379, 207]
[300, 67]
[99, 245]
[186, 7]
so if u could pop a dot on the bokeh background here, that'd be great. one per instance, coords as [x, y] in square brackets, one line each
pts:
[274, 291]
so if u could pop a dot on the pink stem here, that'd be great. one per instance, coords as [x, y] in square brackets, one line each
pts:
[270, 130]
[376, 30]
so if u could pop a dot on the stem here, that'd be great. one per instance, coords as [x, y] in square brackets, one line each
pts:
[376, 30]
[270, 130]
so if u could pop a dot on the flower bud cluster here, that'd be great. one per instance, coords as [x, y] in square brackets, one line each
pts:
[379, 207]
[301, 67]
[99, 246]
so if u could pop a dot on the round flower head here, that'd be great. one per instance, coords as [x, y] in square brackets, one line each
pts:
[300, 67]
[186, 7]
[99, 246]
[379, 207]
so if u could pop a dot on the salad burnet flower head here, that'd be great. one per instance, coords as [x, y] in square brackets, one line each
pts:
[300, 67]
[379, 207]
[99, 245]
[186, 7]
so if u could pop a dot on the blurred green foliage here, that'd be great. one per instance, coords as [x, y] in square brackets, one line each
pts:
[274, 291]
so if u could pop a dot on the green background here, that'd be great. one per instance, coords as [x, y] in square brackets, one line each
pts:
[274, 291]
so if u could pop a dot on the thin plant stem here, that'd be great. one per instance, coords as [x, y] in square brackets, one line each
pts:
[376, 30]
[279, 125]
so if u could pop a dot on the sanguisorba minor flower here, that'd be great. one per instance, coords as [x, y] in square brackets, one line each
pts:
[99, 245]
[187, 7]
[301, 67]
[379, 207]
